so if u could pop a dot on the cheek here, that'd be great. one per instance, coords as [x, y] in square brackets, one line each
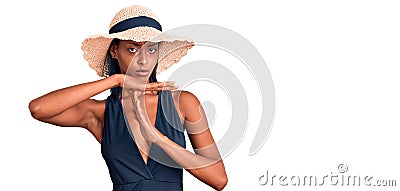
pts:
[153, 59]
[124, 63]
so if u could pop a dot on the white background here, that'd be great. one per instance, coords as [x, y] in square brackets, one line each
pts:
[335, 67]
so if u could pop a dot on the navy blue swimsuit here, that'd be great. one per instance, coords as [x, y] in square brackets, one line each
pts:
[127, 169]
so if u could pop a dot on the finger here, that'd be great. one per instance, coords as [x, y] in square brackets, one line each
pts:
[155, 91]
[155, 85]
[139, 113]
[173, 87]
[139, 95]
[135, 100]
[152, 85]
[169, 83]
[167, 88]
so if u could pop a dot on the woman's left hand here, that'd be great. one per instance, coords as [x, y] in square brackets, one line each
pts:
[147, 130]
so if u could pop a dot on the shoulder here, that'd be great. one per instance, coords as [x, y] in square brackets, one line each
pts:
[188, 103]
[185, 98]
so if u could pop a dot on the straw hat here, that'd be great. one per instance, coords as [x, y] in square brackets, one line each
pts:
[137, 23]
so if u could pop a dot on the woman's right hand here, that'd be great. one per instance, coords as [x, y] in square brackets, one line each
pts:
[130, 83]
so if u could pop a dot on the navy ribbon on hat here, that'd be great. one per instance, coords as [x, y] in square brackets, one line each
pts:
[141, 21]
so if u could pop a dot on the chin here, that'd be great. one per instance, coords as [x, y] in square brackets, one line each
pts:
[143, 78]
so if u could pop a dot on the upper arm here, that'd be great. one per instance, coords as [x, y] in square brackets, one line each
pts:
[86, 114]
[196, 125]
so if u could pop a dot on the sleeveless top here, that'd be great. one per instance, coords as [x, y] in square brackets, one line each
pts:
[127, 169]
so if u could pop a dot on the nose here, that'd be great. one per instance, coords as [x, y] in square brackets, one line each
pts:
[141, 57]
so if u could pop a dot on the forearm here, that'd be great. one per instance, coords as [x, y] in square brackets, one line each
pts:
[207, 167]
[55, 102]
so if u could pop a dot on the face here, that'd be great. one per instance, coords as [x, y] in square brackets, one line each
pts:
[136, 59]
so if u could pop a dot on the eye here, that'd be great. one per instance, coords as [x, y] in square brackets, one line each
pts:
[133, 50]
[152, 50]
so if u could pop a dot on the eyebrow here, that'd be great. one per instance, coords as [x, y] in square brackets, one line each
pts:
[139, 44]
[135, 43]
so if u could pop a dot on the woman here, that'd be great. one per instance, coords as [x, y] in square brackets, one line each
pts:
[140, 125]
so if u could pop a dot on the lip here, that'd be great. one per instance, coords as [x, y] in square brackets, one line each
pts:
[142, 72]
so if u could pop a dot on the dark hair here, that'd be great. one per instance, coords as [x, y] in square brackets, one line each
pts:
[111, 66]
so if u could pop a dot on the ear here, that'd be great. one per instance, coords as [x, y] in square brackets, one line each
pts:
[113, 51]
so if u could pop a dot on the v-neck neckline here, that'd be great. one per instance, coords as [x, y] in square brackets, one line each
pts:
[145, 163]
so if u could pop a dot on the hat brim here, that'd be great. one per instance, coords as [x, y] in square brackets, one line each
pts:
[171, 48]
